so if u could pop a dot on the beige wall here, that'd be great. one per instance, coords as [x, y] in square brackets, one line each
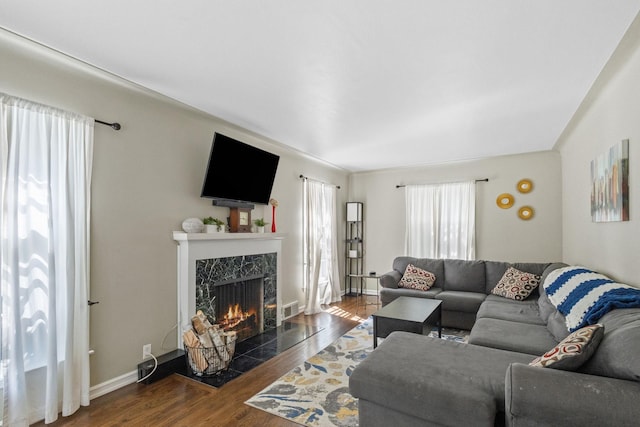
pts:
[609, 114]
[146, 181]
[500, 234]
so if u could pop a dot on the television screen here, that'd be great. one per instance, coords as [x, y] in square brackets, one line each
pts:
[239, 172]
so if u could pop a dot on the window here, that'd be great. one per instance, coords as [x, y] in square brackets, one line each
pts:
[440, 220]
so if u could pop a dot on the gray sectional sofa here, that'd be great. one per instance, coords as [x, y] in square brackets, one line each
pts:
[415, 380]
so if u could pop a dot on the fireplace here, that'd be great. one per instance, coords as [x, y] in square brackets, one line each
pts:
[206, 260]
[238, 306]
[238, 293]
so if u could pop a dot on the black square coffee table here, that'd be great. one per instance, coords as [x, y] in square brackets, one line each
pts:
[407, 314]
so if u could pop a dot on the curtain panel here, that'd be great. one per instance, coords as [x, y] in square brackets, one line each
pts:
[440, 220]
[321, 275]
[45, 196]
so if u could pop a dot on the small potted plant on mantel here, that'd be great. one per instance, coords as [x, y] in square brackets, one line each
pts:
[260, 225]
[213, 225]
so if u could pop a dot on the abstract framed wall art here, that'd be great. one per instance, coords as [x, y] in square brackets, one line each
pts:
[610, 184]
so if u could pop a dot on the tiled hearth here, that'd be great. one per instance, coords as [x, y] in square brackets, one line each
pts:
[256, 350]
[248, 355]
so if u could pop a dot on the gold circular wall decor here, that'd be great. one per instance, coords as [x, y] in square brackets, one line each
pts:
[505, 201]
[524, 185]
[525, 213]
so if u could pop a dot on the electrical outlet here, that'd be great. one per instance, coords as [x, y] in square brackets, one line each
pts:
[146, 351]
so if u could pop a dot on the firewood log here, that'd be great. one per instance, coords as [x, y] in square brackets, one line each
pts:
[218, 343]
[190, 339]
[230, 338]
[198, 325]
[195, 350]
[204, 318]
[213, 354]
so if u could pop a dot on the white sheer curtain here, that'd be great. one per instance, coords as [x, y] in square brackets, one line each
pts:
[321, 275]
[45, 196]
[440, 220]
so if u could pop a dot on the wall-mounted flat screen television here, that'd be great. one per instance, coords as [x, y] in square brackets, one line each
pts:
[238, 173]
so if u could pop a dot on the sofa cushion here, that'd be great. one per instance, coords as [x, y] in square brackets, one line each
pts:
[468, 302]
[552, 397]
[375, 415]
[435, 266]
[523, 312]
[516, 284]
[390, 280]
[501, 300]
[458, 319]
[570, 353]
[557, 326]
[550, 268]
[544, 305]
[617, 354]
[512, 336]
[416, 278]
[462, 275]
[496, 269]
[413, 374]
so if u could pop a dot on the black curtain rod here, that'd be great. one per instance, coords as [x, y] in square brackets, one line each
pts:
[477, 180]
[304, 177]
[114, 126]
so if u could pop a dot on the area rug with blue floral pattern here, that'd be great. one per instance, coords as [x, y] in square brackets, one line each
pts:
[316, 393]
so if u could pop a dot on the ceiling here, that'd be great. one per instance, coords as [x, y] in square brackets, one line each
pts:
[361, 84]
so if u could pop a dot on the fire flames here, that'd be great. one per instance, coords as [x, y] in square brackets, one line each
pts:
[235, 315]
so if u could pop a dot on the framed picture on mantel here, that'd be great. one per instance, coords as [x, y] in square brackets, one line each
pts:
[610, 184]
[240, 220]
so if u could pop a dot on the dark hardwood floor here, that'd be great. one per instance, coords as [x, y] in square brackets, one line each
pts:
[180, 401]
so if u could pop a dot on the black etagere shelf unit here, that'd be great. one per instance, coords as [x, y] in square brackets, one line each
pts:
[354, 248]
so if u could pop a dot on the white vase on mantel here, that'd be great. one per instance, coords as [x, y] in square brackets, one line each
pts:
[260, 229]
[213, 228]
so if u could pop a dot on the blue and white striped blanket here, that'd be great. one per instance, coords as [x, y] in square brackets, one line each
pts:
[584, 296]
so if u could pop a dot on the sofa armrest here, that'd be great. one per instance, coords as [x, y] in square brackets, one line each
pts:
[390, 279]
[551, 397]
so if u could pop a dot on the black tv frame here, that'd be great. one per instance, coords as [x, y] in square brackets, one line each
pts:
[234, 158]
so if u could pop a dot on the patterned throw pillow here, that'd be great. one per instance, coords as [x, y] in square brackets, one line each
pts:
[516, 284]
[417, 278]
[573, 351]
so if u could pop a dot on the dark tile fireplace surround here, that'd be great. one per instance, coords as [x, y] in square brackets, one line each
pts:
[250, 281]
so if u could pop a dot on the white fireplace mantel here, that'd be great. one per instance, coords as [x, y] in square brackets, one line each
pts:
[196, 246]
[180, 236]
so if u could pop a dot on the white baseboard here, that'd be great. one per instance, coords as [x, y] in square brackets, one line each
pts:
[113, 384]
